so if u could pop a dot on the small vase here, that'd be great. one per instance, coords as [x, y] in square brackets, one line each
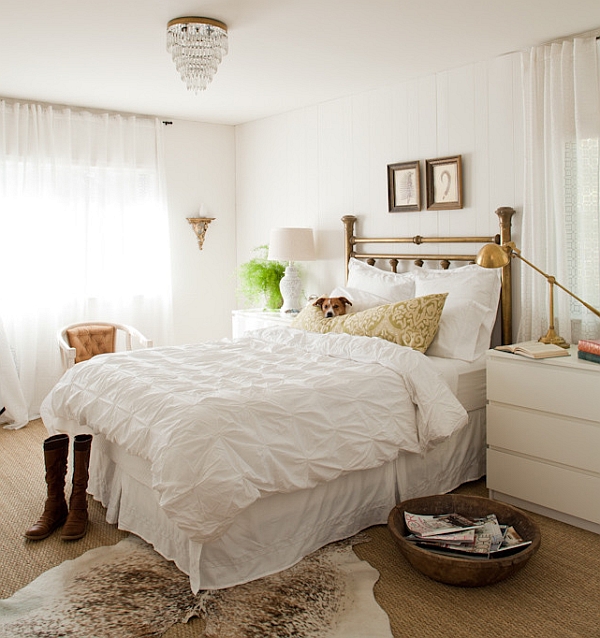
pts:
[273, 300]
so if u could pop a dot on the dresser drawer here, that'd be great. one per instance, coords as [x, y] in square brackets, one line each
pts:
[563, 440]
[557, 488]
[550, 386]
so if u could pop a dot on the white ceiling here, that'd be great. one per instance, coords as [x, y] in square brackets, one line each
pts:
[283, 54]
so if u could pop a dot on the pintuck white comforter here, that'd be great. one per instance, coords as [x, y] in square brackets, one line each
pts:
[226, 423]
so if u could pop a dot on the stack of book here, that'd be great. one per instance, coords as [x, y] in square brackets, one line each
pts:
[466, 537]
[589, 349]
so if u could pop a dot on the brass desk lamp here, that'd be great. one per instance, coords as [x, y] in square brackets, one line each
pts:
[496, 256]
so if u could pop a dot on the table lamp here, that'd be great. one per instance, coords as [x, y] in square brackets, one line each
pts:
[291, 244]
[497, 256]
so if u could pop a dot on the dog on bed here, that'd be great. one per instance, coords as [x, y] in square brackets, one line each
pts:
[332, 306]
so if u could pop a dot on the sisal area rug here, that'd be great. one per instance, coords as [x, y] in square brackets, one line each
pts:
[129, 591]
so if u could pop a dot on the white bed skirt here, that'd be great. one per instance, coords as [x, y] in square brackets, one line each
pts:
[276, 532]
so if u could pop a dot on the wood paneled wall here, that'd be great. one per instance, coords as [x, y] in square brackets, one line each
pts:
[312, 166]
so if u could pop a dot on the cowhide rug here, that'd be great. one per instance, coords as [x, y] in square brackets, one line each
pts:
[129, 591]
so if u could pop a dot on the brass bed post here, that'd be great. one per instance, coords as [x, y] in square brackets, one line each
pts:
[349, 221]
[505, 214]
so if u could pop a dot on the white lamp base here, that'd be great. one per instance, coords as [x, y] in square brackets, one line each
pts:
[291, 291]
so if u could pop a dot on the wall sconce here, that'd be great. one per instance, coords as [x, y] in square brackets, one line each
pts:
[200, 225]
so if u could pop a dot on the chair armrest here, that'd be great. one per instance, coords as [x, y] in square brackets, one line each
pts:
[67, 353]
[130, 332]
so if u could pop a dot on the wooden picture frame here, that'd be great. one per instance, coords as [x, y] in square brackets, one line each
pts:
[404, 187]
[444, 183]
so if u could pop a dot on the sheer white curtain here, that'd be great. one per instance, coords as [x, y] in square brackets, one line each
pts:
[83, 230]
[561, 211]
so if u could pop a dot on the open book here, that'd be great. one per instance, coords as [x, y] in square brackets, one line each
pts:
[535, 349]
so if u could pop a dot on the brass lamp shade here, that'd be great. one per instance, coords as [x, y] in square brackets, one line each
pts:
[492, 256]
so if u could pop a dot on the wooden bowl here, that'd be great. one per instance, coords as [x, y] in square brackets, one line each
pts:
[454, 570]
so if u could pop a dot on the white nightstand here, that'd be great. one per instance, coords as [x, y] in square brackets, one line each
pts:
[543, 436]
[256, 318]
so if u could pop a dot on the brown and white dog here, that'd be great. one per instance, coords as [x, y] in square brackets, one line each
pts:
[332, 306]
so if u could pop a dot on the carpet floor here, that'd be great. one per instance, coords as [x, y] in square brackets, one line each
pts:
[557, 593]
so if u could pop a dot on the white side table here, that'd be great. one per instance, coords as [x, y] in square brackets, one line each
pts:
[543, 435]
[256, 318]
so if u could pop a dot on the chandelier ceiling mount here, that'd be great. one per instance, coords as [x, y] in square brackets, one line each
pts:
[197, 46]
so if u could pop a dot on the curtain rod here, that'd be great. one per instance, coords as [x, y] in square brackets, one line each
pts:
[77, 108]
[585, 34]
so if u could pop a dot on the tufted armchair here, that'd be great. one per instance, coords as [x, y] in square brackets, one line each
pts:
[82, 341]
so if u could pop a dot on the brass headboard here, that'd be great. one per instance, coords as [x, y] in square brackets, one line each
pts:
[354, 248]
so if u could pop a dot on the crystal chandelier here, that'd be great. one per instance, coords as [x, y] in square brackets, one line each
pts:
[197, 46]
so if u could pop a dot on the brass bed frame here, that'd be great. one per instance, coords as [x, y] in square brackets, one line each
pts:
[505, 213]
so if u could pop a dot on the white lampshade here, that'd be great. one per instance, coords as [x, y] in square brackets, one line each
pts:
[291, 244]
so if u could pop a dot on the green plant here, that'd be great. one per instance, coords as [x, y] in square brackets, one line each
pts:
[258, 279]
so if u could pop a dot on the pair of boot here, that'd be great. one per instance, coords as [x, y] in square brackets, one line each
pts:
[74, 518]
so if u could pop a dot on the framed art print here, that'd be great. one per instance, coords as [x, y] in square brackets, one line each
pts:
[444, 183]
[404, 187]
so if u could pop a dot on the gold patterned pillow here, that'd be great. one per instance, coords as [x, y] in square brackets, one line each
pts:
[411, 323]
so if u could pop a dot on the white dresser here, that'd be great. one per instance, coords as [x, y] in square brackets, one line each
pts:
[256, 318]
[543, 436]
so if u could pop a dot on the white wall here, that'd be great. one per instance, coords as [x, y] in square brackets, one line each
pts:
[312, 166]
[200, 170]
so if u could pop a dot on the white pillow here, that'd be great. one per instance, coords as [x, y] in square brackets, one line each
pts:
[464, 285]
[458, 333]
[361, 300]
[389, 285]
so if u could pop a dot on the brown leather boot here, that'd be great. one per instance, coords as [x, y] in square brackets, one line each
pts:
[56, 453]
[77, 520]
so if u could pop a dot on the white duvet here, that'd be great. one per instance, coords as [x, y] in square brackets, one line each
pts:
[226, 423]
